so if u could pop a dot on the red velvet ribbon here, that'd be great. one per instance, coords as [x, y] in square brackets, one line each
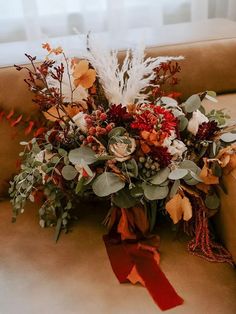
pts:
[124, 256]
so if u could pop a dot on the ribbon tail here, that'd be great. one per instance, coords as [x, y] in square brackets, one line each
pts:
[155, 281]
[120, 260]
[130, 263]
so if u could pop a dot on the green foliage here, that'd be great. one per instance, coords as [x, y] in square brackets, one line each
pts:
[160, 177]
[219, 116]
[192, 103]
[212, 201]
[154, 192]
[83, 153]
[228, 137]
[178, 174]
[118, 131]
[69, 172]
[107, 183]
[124, 199]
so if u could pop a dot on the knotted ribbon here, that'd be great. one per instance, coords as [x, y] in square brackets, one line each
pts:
[135, 258]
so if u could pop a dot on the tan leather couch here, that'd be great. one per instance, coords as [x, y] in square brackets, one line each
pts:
[82, 265]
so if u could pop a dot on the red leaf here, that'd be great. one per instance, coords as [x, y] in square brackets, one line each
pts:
[39, 132]
[18, 164]
[15, 122]
[29, 128]
[10, 114]
[2, 115]
[174, 95]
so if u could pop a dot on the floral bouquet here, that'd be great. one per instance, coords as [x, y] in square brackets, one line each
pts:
[115, 132]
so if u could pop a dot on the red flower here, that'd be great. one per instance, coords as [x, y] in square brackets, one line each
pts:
[207, 130]
[118, 114]
[161, 155]
[154, 117]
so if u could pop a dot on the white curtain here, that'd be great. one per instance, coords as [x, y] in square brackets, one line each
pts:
[27, 20]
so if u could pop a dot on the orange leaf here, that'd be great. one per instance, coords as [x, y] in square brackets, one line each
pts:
[186, 208]
[53, 114]
[203, 187]
[178, 207]
[173, 207]
[72, 110]
[207, 176]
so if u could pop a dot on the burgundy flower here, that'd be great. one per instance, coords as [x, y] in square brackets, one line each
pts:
[207, 130]
[118, 114]
[161, 155]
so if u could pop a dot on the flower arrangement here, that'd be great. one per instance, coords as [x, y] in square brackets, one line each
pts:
[113, 131]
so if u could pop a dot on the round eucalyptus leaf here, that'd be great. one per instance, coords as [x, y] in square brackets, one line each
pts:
[153, 192]
[178, 174]
[69, 172]
[171, 102]
[55, 159]
[228, 137]
[211, 93]
[132, 167]
[62, 152]
[124, 199]
[190, 165]
[183, 123]
[174, 188]
[195, 176]
[177, 112]
[161, 176]
[106, 184]
[136, 191]
[165, 183]
[191, 181]
[116, 132]
[192, 103]
[212, 201]
[82, 153]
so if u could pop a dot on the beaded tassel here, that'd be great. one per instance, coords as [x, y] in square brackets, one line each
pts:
[202, 244]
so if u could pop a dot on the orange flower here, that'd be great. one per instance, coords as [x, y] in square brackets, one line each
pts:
[53, 114]
[56, 51]
[83, 75]
[145, 148]
[46, 46]
[153, 138]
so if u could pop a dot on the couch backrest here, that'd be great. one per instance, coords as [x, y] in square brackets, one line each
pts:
[208, 65]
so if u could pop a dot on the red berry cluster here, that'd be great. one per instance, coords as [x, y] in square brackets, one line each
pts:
[97, 125]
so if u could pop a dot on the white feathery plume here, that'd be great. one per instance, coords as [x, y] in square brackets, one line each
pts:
[124, 84]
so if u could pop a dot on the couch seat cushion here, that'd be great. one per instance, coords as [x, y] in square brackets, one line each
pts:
[74, 275]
